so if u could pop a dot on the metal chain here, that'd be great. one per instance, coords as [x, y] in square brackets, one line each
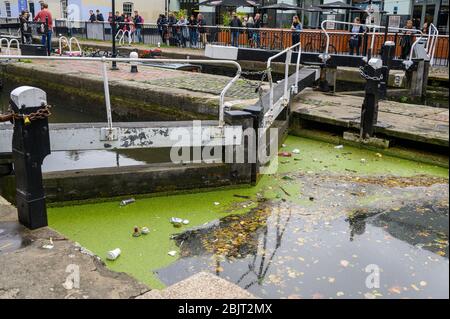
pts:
[258, 87]
[40, 114]
[367, 77]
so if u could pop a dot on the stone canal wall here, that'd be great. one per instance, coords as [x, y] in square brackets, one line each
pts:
[151, 94]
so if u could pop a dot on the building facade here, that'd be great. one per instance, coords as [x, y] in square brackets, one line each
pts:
[421, 11]
[79, 9]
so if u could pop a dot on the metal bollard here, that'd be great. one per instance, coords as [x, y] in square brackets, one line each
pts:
[387, 55]
[134, 68]
[31, 144]
[372, 71]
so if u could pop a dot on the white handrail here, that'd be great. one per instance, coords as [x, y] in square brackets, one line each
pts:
[104, 60]
[326, 56]
[286, 93]
[11, 42]
[7, 43]
[66, 41]
[76, 42]
[431, 47]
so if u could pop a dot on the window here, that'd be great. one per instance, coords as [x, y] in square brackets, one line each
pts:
[128, 8]
[64, 4]
[8, 9]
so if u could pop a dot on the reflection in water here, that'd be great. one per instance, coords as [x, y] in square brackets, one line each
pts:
[272, 252]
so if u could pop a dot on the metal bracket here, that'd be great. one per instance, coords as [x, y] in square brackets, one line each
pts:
[109, 134]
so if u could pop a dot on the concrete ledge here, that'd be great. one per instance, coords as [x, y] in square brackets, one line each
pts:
[200, 286]
[373, 141]
[79, 185]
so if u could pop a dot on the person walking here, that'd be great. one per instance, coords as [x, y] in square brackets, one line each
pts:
[296, 29]
[407, 40]
[45, 16]
[355, 37]
[138, 24]
[193, 35]
[236, 25]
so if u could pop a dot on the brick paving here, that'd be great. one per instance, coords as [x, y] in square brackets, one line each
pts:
[196, 82]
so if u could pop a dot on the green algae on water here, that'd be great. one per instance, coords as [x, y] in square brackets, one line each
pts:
[105, 226]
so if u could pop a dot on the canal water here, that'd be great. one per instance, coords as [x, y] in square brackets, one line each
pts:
[331, 223]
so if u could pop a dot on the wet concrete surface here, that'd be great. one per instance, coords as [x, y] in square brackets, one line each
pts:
[330, 240]
[28, 270]
[11, 237]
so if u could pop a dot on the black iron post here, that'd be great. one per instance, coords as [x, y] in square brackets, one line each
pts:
[369, 111]
[30, 145]
[387, 55]
[113, 34]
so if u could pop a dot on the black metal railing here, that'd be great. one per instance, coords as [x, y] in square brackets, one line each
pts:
[199, 36]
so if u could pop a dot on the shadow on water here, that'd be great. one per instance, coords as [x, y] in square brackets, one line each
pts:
[271, 253]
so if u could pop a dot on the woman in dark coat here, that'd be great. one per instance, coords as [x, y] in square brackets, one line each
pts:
[356, 38]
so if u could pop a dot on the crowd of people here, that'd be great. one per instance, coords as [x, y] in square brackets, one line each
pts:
[182, 31]
[131, 25]
[193, 30]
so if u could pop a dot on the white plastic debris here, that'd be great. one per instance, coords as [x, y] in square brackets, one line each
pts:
[50, 245]
[185, 222]
[216, 203]
[339, 147]
[177, 222]
[145, 230]
[126, 202]
[296, 151]
[113, 254]
[172, 253]
[363, 161]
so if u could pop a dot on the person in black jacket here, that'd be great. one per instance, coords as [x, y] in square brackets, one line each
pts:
[193, 36]
[355, 38]
[99, 16]
[92, 17]
[236, 25]
[407, 40]
[202, 29]
[257, 24]
[172, 29]
[162, 27]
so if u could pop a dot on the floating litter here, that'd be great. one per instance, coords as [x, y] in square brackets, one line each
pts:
[216, 203]
[185, 222]
[177, 222]
[172, 253]
[113, 254]
[339, 147]
[296, 151]
[126, 202]
[136, 232]
[145, 230]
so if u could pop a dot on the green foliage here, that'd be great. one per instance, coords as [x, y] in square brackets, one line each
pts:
[226, 18]
[181, 13]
